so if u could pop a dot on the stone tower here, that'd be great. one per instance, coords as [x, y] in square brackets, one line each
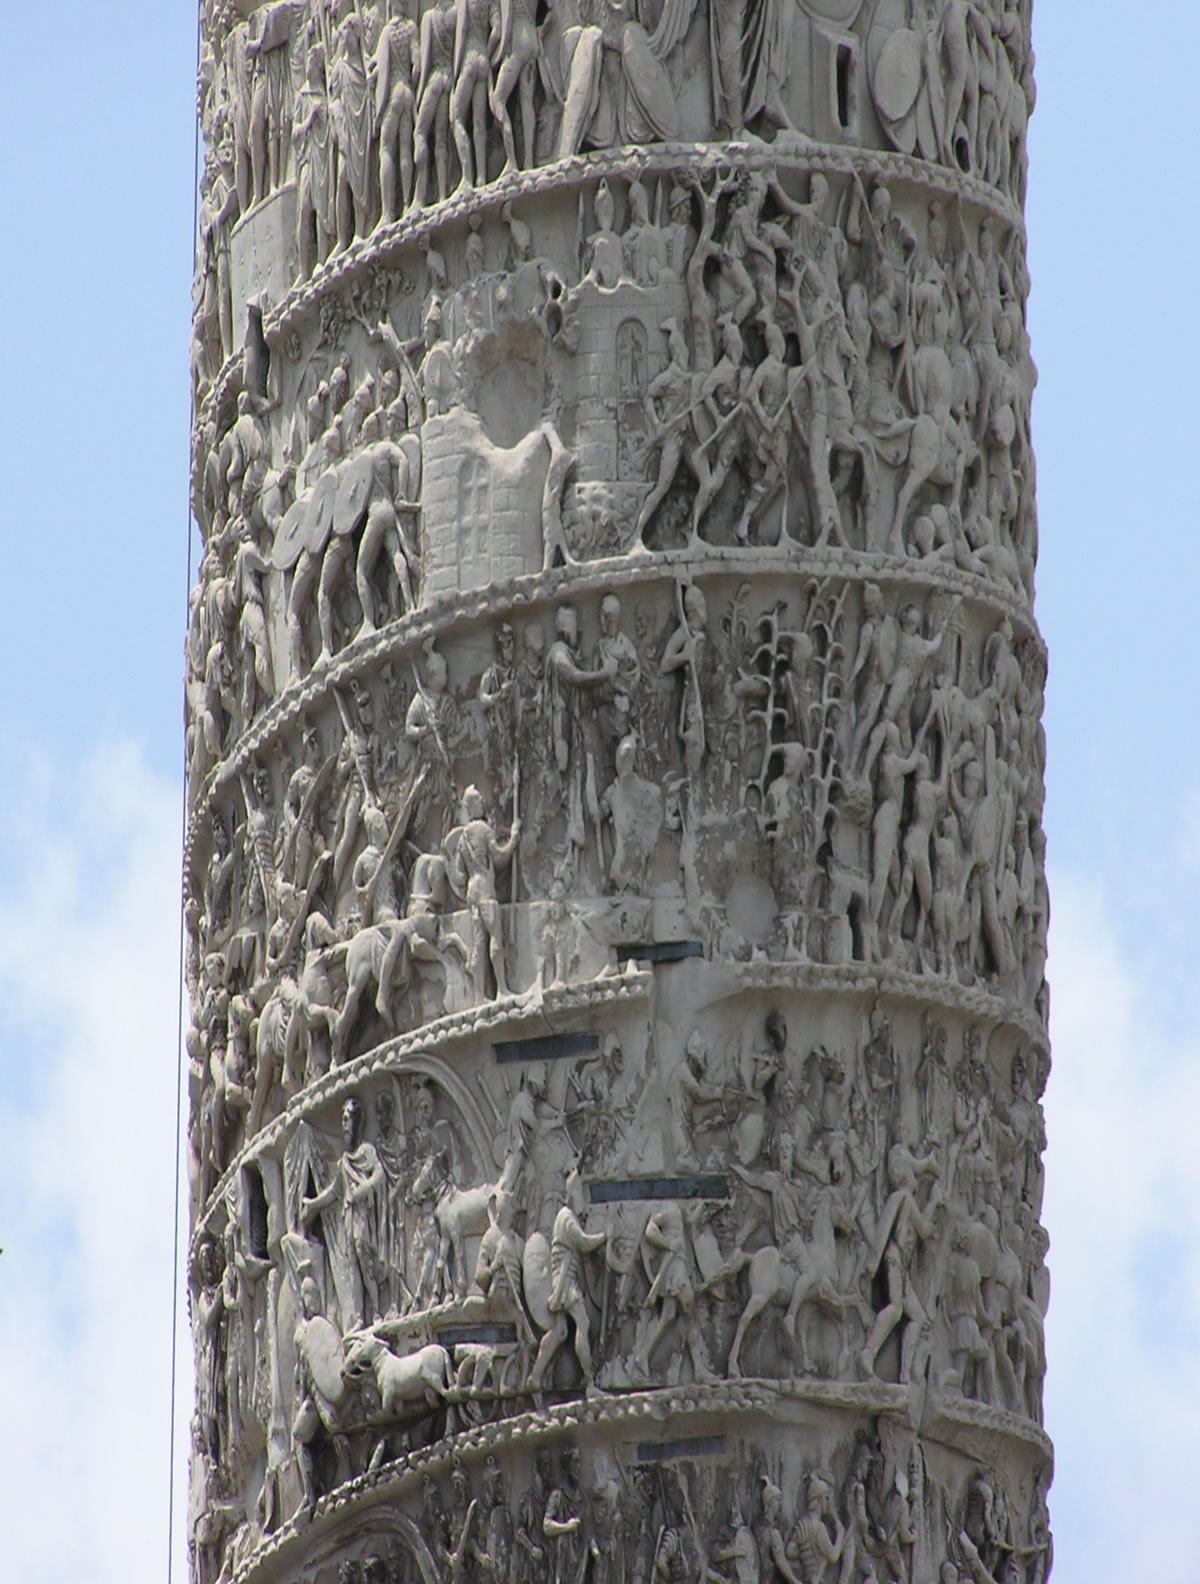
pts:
[615, 873]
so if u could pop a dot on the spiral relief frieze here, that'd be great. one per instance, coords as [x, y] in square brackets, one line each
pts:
[615, 873]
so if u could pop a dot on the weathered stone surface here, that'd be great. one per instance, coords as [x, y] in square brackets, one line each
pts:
[615, 877]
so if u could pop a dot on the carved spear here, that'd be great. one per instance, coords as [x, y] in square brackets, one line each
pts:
[431, 717]
[389, 852]
[516, 805]
[356, 747]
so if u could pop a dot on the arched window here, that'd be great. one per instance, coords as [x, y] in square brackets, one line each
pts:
[474, 521]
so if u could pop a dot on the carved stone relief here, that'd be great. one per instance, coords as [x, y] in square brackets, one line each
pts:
[615, 878]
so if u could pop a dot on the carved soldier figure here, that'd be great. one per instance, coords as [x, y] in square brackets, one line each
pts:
[210, 1309]
[389, 491]
[718, 421]
[300, 839]
[567, 1302]
[672, 1293]
[391, 1146]
[635, 808]
[742, 1549]
[901, 1230]
[686, 653]
[469, 101]
[771, 1546]
[319, 1391]
[474, 856]
[768, 400]
[390, 73]
[606, 1534]
[429, 726]
[646, 245]
[258, 680]
[566, 680]
[515, 46]
[271, 108]
[434, 88]
[501, 699]
[812, 1547]
[361, 1186]
[617, 657]
[218, 213]
[690, 1088]
[313, 148]
[494, 1557]
[350, 112]
[530, 1561]
[978, 811]
[498, 1273]
[562, 1523]
[668, 405]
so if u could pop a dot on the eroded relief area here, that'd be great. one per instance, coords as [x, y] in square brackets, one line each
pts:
[615, 875]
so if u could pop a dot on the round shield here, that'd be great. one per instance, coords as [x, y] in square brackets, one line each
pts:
[648, 82]
[354, 490]
[535, 1267]
[896, 80]
[323, 1354]
[289, 541]
[319, 520]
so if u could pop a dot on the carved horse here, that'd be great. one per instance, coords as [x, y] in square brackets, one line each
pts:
[270, 1050]
[367, 963]
[460, 1213]
[933, 446]
[806, 1273]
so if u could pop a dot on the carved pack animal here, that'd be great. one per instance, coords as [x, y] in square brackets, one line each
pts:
[460, 1213]
[423, 1376]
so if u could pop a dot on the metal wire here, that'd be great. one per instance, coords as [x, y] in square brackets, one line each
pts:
[182, 943]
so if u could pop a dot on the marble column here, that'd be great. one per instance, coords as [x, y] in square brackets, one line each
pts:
[615, 876]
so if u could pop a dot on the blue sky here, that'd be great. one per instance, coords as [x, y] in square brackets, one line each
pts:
[95, 274]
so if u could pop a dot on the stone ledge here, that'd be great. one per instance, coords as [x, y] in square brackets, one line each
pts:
[441, 1037]
[726, 1399]
[402, 639]
[562, 175]
[952, 1418]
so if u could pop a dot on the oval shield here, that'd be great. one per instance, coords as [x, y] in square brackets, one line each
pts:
[896, 80]
[289, 541]
[354, 490]
[319, 520]
[535, 1267]
[323, 1355]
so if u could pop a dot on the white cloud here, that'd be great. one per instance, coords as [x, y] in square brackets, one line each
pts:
[1123, 1210]
[88, 1025]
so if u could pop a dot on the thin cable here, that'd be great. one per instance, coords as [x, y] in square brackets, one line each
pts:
[182, 937]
